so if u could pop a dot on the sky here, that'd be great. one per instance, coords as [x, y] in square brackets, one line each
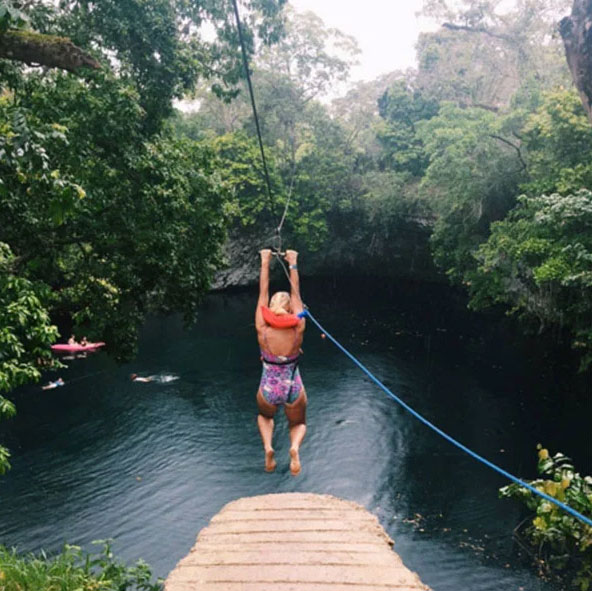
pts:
[386, 30]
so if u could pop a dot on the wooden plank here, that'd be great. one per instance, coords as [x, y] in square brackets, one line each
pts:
[290, 501]
[246, 586]
[385, 575]
[275, 514]
[294, 546]
[285, 525]
[272, 537]
[287, 555]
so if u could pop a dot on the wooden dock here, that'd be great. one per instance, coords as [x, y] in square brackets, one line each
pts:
[292, 542]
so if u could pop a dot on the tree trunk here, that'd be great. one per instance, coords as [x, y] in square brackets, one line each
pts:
[576, 31]
[45, 50]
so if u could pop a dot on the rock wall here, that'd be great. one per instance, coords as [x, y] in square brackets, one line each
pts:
[405, 254]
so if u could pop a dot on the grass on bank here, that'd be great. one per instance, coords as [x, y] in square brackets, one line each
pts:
[73, 570]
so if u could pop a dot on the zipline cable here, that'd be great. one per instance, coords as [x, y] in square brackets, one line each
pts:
[253, 105]
[307, 313]
[429, 424]
[278, 230]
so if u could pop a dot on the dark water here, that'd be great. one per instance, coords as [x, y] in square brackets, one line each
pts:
[150, 464]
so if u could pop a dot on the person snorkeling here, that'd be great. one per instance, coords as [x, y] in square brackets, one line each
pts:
[280, 333]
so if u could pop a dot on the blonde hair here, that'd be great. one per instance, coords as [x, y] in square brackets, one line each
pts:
[280, 303]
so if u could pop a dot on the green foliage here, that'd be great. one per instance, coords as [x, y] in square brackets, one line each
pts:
[471, 180]
[558, 140]
[26, 166]
[158, 47]
[110, 216]
[25, 328]
[144, 233]
[322, 179]
[241, 168]
[25, 335]
[402, 108]
[307, 153]
[316, 172]
[73, 570]
[561, 539]
[539, 262]
[11, 17]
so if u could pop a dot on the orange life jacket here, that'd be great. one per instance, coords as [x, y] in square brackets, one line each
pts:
[279, 320]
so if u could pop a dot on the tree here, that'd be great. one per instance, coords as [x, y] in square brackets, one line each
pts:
[25, 335]
[159, 47]
[538, 262]
[311, 56]
[37, 49]
[105, 215]
[144, 232]
[557, 141]
[485, 51]
[99, 202]
[357, 111]
[287, 76]
[241, 168]
[471, 180]
[307, 153]
[576, 31]
[402, 107]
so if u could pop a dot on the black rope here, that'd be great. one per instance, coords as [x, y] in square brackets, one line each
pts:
[250, 85]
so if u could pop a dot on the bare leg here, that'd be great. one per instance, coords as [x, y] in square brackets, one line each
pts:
[265, 424]
[296, 414]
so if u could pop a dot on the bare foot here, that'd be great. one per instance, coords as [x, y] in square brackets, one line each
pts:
[295, 467]
[270, 462]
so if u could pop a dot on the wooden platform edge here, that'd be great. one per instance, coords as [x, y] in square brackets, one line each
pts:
[293, 541]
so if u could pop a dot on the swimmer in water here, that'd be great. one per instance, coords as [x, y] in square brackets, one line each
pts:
[59, 382]
[136, 378]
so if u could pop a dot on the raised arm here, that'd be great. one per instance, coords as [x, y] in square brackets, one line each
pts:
[296, 300]
[263, 287]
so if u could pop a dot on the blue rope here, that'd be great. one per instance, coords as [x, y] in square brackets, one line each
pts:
[481, 459]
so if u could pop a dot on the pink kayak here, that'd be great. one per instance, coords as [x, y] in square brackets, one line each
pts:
[76, 348]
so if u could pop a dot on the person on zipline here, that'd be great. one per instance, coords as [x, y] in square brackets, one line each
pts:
[280, 332]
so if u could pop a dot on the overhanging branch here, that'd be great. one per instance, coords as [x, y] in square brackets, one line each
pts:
[45, 50]
[483, 30]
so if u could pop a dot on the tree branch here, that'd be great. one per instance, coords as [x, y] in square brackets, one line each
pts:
[509, 143]
[453, 27]
[46, 50]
